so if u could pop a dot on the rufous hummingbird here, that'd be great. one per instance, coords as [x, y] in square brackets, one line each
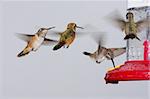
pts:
[130, 27]
[102, 53]
[68, 36]
[35, 41]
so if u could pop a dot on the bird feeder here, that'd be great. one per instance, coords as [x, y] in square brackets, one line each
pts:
[137, 65]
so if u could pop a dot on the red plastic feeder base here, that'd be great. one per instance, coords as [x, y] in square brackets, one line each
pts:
[130, 71]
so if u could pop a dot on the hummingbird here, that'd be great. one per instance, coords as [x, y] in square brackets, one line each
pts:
[35, 41]
[102, 53]
[68, 36]
[130, 27]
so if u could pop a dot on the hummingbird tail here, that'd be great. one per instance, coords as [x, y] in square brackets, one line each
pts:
[59, 45]
[24, 52]
[132, 36]
[87, 53]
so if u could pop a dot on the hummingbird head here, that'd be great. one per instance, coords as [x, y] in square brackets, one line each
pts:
[109, 54]
[43, 31]
[73, 26]
[129, 15]
[100, 59]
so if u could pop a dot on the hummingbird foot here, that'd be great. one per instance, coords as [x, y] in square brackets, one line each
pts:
[113, 62]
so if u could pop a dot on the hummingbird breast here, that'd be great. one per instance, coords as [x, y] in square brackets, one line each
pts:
[100, 54]
[36, 42]
[109, 54]
[68, 37]
[130, 28]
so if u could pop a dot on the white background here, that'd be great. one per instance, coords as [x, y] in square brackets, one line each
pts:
[66, 73]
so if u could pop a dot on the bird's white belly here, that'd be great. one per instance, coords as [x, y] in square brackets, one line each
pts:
[37, 43]
[100, 58]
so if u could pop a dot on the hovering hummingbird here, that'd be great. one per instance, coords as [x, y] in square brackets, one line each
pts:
[103, 53]
[67, 37]
[35, 41]
[131, 27]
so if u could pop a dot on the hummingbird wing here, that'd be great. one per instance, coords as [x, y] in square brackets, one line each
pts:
[81, 34]
[142, 24]
[24, 37]
[48, 42]
[118, 51]
[121, 24]
[88, 30]
[100, 39]
[54, 33]
[116, 19]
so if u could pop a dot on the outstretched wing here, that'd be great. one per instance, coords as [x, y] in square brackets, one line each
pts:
[54, 33]
[118, 51]
[48, 42]
[116, 19]
[24, 37]
[142, 24]
[81, 34]
[121, 24]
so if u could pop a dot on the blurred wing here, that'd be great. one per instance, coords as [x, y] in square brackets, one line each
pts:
[54, 33]
[24, 37]
[118, 51]
[116, 19]
[81, 34]
[121, 24]
[142, 24]
[88, 29]
[48, 42]
[99, 37]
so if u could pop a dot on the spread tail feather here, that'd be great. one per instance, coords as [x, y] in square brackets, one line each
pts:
[132, 36]
[24, 52]
[59, 45]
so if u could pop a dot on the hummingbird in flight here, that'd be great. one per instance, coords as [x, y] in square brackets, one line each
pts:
[67, 37]
[35, 41]
[130, 27]
[102, 53]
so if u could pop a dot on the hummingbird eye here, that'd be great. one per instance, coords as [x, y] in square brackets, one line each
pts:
[40, 29]
[74, 26]
[109, 53]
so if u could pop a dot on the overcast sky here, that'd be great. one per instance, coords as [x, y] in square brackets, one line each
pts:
[66, 73]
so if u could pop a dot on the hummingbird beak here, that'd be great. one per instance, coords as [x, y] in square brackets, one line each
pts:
[79, 27]
[50, 28]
